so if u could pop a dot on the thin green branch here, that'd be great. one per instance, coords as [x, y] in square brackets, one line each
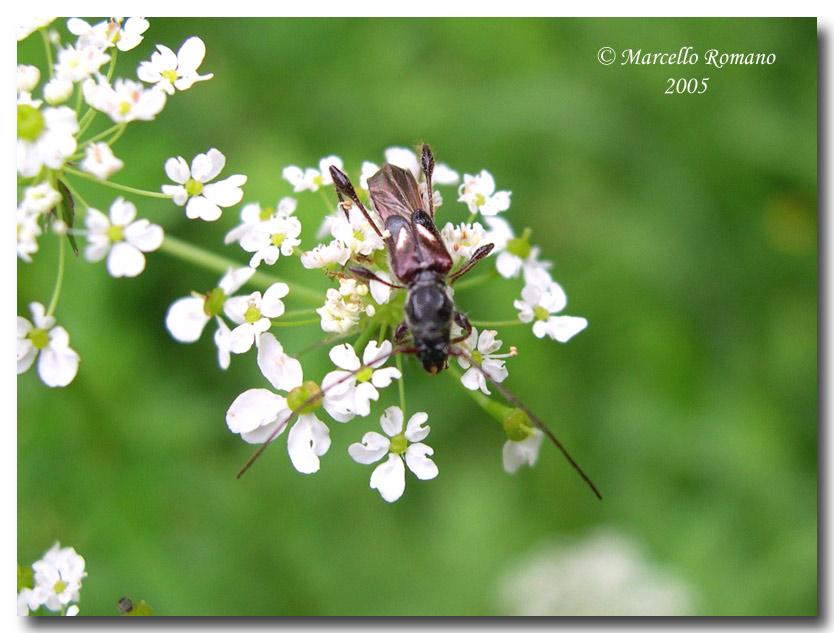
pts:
[114, 185]
[212, 261]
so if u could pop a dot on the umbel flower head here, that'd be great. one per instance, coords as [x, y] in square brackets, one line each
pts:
[373, 274]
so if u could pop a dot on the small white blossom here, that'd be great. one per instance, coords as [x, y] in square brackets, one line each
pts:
[121, 239]
[169, 71]
[482, 349]
[100, 161]
[77, 64]
[58, 577]
[28, 25]
[201, 198]
[109, 33]
[57, 91]
[58, 363]
[253, 314]
[324, 254]
[188, 316]
[27, 77]
[463, 240]
[40, 199]
[258, 413]
[344, 307]
[356, 233]
[310, 178]
[125, 100]
[389, 477]
[538, 304]
[478, 192]
[28, 232]
[355, 394]
[266, 234]
[518, 453]
[46, 138]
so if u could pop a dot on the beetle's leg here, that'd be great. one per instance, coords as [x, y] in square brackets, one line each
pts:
[465, 325]
[344, 188]
[427, 163]
[400, 334]
[477, 256]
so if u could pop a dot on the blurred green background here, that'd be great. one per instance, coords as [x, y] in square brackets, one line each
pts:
[683, 227]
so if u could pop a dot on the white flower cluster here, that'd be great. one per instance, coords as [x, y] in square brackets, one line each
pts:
[56, 583]
[56, 144]
[363, 305]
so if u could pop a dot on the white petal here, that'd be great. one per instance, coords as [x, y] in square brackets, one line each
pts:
[226, 192]
[145, 236]
[373, 447]
[418, 462]
[26, 354]
[255, 408]
[191, 54]
[122, 212]
[308, 440]
[563, 328]
[235, 278]
[392, 421]
[96, 221]
[389, 478]
[473, 380]
[375, 356]
[345, 357]
[58, 364]
[554, 299]
[282, 371]
[177, 170]
[206, 166]
[362, 396]
[200, 207]
[508, 265]
[382, 377]
[186, 319]
[242, 338]
[223, 340]
[414, 430]
[516, 454]
[271, 304]
[125, 260]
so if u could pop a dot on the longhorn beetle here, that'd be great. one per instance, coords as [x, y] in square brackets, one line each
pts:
[420, 262]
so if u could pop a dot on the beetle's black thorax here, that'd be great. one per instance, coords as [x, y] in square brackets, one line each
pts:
[428, 315]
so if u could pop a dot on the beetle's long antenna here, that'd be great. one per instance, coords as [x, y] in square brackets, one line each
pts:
[316, 396]
[427, 163]
[344, 187]
[506, 393]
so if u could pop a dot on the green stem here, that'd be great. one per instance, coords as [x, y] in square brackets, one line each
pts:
[59, 280]
[114, 185]
[211, 261]
[483, 324]
[116, 130]
[48, 47]
[401, 382]
[291, 323]
[495, 409]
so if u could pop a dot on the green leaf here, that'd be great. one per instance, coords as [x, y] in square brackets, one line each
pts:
[25, 577]
[67, 213]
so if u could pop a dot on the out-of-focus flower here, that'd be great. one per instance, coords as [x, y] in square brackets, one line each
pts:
[169, 71]
[604, 573]
[58, 363]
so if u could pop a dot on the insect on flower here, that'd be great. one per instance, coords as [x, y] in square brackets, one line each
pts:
[421, 264]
